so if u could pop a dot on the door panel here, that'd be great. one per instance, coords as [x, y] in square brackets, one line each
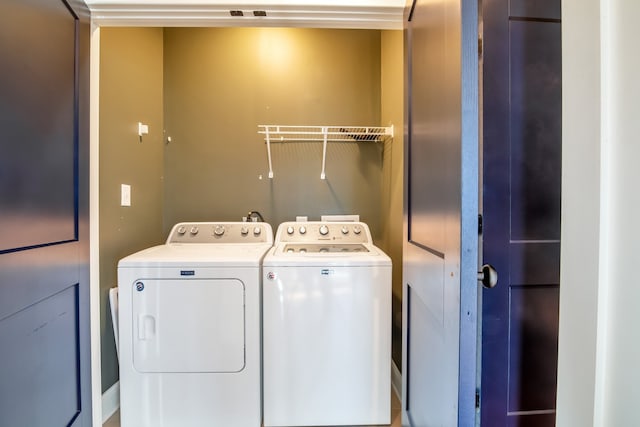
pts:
[521, 210]
[440, 254]
[549, 9]
[535, 128]
[44, 277]
[37, 178]
[43, 339]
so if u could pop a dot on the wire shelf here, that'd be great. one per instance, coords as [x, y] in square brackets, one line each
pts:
[279, 133]
[324, 134]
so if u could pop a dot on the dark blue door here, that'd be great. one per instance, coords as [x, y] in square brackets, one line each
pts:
[441, 214]
[44, 275]
[521, 206]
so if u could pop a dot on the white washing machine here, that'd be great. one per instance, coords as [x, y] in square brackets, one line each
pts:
[326, 327]
[189, 328]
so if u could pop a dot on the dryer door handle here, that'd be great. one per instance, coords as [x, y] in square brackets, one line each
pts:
[146, 327]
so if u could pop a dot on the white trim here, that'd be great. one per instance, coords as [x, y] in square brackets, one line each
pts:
[110, 401]
[396, 380]
[189, 15]
[94, 230]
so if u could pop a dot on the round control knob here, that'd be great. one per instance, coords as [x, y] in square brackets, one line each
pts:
[357, 230]
[257, 231]
[324, 230]
[219, 230]
[345, 230]
[244, 231]
[303, 230]
[290, 230]
[182, 229]
[194, 230]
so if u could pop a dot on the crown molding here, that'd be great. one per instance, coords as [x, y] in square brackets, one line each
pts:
[384, 15]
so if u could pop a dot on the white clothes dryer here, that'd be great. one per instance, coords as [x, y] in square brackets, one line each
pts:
[326, 327]
[189, 328]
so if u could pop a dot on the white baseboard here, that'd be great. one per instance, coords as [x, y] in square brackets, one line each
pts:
[110, 401]
[396, 380]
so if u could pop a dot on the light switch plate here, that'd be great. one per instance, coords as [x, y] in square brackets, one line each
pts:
[125, 195]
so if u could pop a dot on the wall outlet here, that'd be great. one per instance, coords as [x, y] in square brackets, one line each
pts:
[125, 195]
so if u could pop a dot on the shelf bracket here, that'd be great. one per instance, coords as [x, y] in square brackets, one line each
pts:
[268, 137]
[324, 152]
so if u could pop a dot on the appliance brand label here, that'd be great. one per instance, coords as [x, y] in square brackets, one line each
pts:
[271, 275]
[139, 286]
[187, 272]
[326, 272]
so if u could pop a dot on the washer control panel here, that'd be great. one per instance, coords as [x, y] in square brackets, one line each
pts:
[221, 232]
[321, 232]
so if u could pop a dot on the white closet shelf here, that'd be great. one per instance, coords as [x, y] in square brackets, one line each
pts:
[324, 134]
[280, 133]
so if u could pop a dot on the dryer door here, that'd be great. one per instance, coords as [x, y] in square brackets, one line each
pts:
[188, 325]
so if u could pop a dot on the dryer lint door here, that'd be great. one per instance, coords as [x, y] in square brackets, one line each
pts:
[188, 325]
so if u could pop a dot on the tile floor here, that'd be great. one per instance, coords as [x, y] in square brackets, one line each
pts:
[114, 421]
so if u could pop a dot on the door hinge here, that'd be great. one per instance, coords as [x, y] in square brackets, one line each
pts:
[479, 224]
[477, 399]
[480, 47]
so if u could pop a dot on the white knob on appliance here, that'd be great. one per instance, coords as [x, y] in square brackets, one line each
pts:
[345, 230]
[219, 230]
[303, 230]
[182, 229]
[257, 231]
[324, 230]
[194, 230]
[290, 230]
[244, 231]
[357, 230]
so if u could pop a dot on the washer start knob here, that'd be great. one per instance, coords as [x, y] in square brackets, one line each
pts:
[324, 230]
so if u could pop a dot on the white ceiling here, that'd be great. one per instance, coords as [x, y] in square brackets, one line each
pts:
[375, 14]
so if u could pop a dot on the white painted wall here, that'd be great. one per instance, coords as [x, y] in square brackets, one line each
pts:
[599, 351]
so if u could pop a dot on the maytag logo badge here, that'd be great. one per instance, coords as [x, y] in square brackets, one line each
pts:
[271, 275]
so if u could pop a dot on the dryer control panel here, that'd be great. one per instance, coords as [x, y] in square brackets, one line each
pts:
[221, 232]
[323, 232]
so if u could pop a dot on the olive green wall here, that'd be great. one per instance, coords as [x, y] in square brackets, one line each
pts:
[392, 103]
[221, 83]
[130, 92]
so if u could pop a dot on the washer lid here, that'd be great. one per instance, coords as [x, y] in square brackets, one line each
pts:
[200, 254]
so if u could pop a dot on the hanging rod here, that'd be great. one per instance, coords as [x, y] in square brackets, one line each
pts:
[324, 134]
